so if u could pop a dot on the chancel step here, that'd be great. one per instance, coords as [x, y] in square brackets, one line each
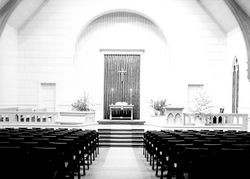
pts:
[121, 132]
[118, 144]
[108, 136]
[121, 137]
[128, 130]
[121, 140]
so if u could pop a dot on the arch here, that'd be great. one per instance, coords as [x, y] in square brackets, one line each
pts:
[108, 18]
[177, 118]
[220, 120]
[111, 18]
[170, 118]
[214, 120]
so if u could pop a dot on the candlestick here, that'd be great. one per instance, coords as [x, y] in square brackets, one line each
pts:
[130, 91]
[112, 95]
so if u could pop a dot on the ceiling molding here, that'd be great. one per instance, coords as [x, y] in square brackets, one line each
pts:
[6, 11]
[32, 16]
[244, 23]
[211, 16]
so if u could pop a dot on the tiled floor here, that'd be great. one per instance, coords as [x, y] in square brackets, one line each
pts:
[120, 163]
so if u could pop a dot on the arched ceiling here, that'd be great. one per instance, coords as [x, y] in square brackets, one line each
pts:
[217, 9]
[19, 13]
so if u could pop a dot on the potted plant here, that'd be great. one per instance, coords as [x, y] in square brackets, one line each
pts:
[159, 106]
[82, 103]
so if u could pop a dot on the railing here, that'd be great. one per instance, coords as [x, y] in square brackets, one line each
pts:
[28, 117]
[219, 119]
[43, 117]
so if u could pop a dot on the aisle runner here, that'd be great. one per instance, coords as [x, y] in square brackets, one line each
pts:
[120, 163]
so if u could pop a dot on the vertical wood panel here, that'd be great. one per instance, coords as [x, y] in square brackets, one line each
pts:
[112, 79]
[233, 91]
[235, 87]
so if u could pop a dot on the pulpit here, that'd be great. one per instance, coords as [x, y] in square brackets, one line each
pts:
[121, 110]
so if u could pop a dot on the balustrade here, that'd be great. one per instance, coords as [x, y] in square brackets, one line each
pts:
[217, 119]
[38, 117]
[28, 116]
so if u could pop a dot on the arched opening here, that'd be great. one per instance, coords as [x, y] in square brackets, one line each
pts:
[178, 119]
[170, 118]
[120, 33]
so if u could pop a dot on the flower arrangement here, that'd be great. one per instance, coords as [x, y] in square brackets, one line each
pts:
[82, 103]
[159, 106]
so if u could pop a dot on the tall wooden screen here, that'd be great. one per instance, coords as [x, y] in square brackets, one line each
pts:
[235, 92]
[122, 81]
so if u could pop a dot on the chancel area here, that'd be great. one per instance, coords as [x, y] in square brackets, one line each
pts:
[166, 83]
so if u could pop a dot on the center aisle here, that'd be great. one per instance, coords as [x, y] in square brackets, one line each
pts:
[115, 162]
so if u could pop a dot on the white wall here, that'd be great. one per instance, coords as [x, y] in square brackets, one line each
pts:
[195, 51]
[8, 68]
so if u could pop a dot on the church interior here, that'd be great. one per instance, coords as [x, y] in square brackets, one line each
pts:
[165, 83]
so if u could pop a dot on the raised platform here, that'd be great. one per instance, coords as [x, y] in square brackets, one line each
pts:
[121, 122]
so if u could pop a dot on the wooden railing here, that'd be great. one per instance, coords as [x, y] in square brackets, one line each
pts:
[218, 119]
[28, 117]
[43, 117]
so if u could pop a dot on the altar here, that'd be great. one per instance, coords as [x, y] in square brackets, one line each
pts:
[121, 111]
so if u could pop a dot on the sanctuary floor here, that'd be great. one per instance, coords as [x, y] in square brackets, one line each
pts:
[120, 163]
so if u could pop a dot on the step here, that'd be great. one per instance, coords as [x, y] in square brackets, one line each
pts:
[120, 140]
[120, 133]
[128, 130]
[120, 136]
[120, 144]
